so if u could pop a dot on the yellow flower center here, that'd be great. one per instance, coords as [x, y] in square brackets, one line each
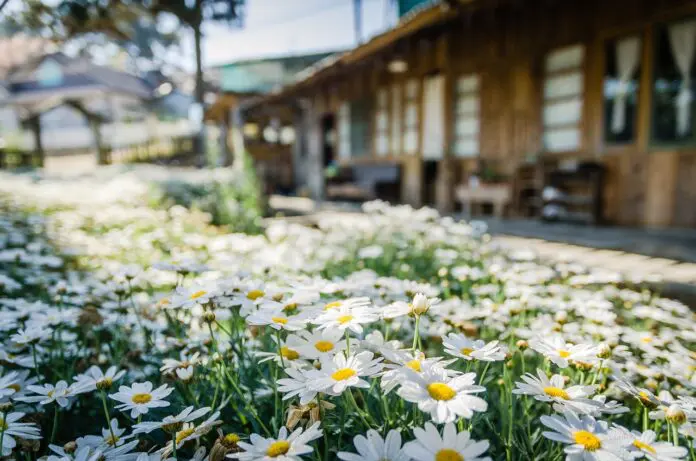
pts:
[332, 305]
[281, 320]
[447, 454]
[556, 392]
[564, 354]
[345, 319]
[231, 439]
[414, 365]
[254, 294]
[15, 387]
[644, 446]
[343, 374]
[324, 346]
[198, 294]
[646, 339]
[112, 441]
[3, 425]
[141, 398]
[466, 350]
[588, 440]
[278, 448]
[181, 435]
[441, 391]
[289, 354]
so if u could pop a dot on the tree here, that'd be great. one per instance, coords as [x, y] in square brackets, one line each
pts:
[126, 22]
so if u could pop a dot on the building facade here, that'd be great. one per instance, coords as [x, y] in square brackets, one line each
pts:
[462, 87]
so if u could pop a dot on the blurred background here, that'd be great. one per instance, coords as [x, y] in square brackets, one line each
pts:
[578, 113]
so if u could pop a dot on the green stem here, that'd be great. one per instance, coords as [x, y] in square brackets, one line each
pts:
[106, 415]
[55, 422]
[416, 333]
[174, 444]
[2, 430]
[36, 362]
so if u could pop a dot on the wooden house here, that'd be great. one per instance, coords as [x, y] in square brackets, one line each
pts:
[513, 87]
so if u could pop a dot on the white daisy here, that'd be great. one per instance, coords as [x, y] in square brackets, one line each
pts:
[646, 445]
[451, 445]
[347, 317]
[94, 379]
[573, 398]
[48, 393]
[587, 438]
[562, 353]
[140, 397]
[341, 372]
[321, 343]
[185, 416]
[12, 427]
[283, 448]
[460, 346]
[444, 397]
[372, 447]
[277, 319]
[420, 305]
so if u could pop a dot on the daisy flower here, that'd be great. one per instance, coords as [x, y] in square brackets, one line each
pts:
[94, 379]
[188, 297]
[646, 445]
[444, 397]
[277, 319]
[189, 431]
[186, 416]
[283, 448]
[12, 427]
[321, 343]
[298, 383]
[417, 307]
[346, 317]
[573, 398]
[562, 353]
[451, 445]
[140, 397]
[48, 393]
[110, 437]
[586, 438]
[170, 366]
[372, 447]
[460, 346]
[289, 351]
[8, 384]
[342, 372]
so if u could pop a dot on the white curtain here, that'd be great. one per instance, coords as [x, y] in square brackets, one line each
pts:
[682, 37]
[433, 134]
[627, 59]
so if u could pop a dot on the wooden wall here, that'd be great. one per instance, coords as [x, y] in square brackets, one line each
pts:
[506, 46]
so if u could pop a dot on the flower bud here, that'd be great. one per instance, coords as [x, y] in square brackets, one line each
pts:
[420, 304]
[675, 415]
[522, 344]
[70, 447]
[104, 384]
[209, 316]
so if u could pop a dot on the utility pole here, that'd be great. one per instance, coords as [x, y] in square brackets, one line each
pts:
[357, 20]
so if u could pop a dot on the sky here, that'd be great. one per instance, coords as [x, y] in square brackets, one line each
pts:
[278, 27]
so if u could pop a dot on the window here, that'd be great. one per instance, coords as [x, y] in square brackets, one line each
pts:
[360, 113]
[673, 101]
[382, 123]
[410, 142]
[621, 77]
[466, 116]
[396, 116]
[563, 99]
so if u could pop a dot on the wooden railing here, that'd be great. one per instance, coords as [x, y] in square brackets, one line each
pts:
[180, 149]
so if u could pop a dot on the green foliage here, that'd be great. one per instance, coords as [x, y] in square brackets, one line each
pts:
[232, 200]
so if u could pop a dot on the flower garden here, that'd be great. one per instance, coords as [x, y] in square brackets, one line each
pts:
[143, 329]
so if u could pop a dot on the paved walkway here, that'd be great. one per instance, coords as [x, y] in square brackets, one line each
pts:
[667, 256]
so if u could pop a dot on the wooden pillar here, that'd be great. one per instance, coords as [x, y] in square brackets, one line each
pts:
[662, 172]
[35, 124]
[102, 154]
[444, 188]
[314, 164]
[412, 180]
[224, 128]
[299, 147]
[238, 148]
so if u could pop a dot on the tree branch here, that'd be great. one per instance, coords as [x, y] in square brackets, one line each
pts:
[3, 4]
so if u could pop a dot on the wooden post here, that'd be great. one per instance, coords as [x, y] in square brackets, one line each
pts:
[315, 165]
[35, 123]
[444, 188]
[95, 125]
[299, 147]
[237, 122]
